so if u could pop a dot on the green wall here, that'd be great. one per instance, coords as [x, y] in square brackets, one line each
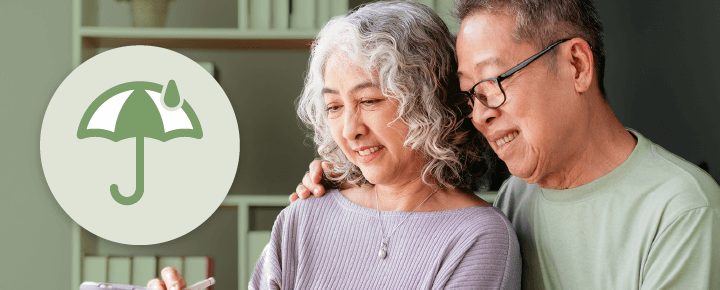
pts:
[34, 230]
[663, 71]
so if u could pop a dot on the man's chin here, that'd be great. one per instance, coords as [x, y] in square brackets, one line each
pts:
[525, 174]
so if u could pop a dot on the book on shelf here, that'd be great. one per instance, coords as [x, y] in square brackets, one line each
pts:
[94, 268]
[260, 14]
[193, 268]
[139, 270]
[303, 14]
[119, 270]
[327, 9]
[144, 269]
[281, 14]
[170, 261]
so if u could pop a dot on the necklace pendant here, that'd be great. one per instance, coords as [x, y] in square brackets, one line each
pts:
[383, 245]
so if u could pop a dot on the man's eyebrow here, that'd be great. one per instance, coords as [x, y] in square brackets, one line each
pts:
[494, 61]
[358, 87]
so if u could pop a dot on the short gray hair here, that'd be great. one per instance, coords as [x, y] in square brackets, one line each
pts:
[542, 22]
[410, 53]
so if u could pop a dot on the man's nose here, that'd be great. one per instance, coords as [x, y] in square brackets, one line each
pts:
[354, 125]
[483, 116]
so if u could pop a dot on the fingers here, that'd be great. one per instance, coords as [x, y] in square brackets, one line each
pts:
[311, 182]
[309, 185]
[172, 279]
[302, 191]
[156, 284]
[316, 171]
[319, 191]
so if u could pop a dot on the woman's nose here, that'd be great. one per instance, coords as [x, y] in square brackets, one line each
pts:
[354, 125]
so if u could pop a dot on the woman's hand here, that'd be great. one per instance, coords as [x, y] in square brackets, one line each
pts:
[311, 182]
[171, 280]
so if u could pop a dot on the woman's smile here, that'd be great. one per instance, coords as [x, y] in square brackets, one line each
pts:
[368, 153]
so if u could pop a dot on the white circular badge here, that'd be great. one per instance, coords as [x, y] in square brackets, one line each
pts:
[139, 145]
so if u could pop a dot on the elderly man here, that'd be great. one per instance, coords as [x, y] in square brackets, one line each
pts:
[595, 205]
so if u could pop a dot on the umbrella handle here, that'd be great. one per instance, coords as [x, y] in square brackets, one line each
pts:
[139, 176]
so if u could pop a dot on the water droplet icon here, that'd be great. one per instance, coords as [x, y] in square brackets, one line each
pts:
[172, 96]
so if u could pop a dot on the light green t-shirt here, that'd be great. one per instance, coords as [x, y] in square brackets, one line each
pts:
[652, 223]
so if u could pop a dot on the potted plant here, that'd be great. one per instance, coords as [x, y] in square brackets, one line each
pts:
[149, 13]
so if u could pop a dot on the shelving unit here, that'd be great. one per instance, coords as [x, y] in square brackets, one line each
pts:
[250, 239]
[261, 24]
[244, 204]
[249, 32]
[273, 33]
[196, 38]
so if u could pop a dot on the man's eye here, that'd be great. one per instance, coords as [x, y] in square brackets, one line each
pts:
[480, 96]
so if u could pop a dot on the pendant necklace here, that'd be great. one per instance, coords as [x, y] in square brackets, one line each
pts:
[384, 242]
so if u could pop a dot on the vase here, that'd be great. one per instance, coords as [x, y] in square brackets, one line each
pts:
[149, 13]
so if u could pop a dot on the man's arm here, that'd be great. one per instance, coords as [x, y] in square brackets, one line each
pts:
[686, 255]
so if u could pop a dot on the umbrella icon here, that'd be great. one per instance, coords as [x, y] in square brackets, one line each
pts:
[135, 109]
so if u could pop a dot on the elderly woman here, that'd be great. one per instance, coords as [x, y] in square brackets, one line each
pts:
[377, 96]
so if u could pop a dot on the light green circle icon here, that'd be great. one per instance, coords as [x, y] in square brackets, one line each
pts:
[139, 145]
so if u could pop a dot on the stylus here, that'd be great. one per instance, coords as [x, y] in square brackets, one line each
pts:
[202, 284]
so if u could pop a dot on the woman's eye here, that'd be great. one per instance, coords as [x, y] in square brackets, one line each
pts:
[332, 108]
[370, 102]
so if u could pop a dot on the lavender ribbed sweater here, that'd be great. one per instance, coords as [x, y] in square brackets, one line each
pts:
[333, 243]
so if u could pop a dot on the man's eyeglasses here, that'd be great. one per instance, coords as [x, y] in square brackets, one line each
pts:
[489, 91]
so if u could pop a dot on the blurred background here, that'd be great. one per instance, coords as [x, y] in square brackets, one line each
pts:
[661, 79]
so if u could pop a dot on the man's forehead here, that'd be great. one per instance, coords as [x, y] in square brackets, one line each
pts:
[484, 41]
[479, 65]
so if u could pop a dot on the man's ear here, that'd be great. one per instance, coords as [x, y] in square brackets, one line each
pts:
[581, 59]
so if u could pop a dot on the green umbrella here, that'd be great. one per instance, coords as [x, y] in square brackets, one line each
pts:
[135, 109]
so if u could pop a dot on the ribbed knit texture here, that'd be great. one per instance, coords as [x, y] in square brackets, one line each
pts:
[333, 243]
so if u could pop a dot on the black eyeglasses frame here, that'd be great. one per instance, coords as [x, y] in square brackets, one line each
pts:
[471, 93]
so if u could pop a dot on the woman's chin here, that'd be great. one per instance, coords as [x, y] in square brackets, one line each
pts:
[371, 176]
[371, 180]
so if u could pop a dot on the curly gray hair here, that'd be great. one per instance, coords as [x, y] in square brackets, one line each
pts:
[410, 53]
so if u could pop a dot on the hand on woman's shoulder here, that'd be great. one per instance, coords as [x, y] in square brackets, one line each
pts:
[300, 208]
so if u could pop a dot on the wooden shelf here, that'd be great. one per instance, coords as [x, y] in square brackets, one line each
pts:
[198, 38]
